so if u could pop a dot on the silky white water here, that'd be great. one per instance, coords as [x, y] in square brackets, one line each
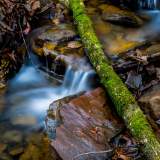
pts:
[30, 93]
[149, 4]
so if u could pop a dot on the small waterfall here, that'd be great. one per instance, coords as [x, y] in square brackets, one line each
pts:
[76, 80]
[149, 4]
[31, 92]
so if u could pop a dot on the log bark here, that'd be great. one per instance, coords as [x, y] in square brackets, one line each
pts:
[121, 97]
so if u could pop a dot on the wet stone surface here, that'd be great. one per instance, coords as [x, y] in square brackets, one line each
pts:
[88, 125]
[119, 16]
[150, 102]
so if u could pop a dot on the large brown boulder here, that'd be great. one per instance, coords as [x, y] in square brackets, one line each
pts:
[88, 125]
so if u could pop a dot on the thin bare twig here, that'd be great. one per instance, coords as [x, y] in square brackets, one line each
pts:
[88, 153]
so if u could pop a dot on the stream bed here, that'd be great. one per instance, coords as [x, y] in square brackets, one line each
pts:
[26, 101]
[28, 95]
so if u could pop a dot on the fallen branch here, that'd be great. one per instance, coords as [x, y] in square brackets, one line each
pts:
[123, 100]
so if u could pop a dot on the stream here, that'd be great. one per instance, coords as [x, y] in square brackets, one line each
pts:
[28, 96]
[25, 101]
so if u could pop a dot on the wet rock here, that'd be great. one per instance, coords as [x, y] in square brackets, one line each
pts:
[12, 136]
[116, 15]
[116, 35]
[150, 102]
[56, 56]
[45, 42]
[16, 151]
[24, 120]
[88, 125]
[152, 50]
[39, 149]
[58, 34]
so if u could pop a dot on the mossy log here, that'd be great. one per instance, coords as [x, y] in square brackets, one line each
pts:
[123, 100]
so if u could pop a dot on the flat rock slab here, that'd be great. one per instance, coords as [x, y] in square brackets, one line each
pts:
[88, 125]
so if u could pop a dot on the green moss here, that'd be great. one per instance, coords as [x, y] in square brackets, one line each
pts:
[123, 100]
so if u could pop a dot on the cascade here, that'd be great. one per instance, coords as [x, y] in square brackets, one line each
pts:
[149, 4]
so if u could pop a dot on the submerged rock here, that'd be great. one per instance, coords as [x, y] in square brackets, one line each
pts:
[150, 102]
[12, 136]
[110, 33]
[88, 125]
[60, 33]
[16, 151]
[24, 120]
[39, 149]
[119, 16]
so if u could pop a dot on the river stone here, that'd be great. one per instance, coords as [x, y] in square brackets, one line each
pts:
[88, 125]
[58, 34]
[50, 37]
[119, 16]
[39, 148]
[24, 120]
[150, 102]
[12, 136]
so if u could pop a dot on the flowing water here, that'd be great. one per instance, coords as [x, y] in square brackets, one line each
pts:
[151, 30]
[28, 96]
[149, 4]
